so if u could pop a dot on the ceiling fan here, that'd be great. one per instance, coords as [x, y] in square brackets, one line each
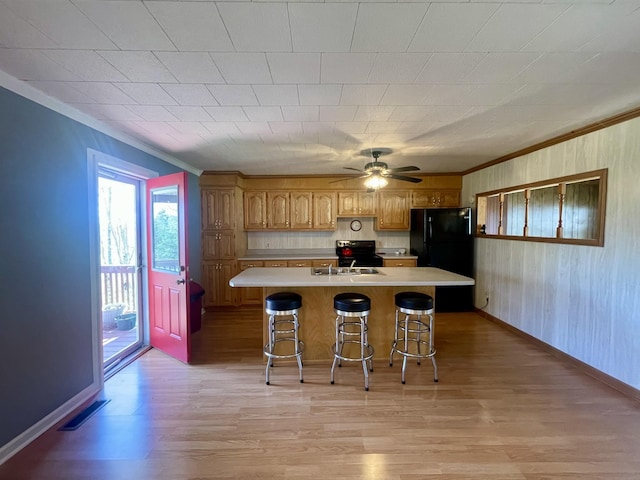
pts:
[376, 173]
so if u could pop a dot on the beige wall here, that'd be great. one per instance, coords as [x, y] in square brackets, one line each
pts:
[582, 300]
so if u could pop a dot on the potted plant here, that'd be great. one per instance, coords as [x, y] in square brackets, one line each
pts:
[126, 320]
[109, 313]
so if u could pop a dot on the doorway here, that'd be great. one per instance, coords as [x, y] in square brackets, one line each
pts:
[120, 241]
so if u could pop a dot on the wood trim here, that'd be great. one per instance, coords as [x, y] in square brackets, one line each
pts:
[593, 127]
[602, 377]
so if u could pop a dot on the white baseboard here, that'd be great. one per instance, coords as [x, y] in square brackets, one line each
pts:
[25, 438]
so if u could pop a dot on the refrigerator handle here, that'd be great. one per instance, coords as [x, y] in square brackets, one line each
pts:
[430, 229]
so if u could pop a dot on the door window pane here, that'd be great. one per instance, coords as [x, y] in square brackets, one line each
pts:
[166, 241]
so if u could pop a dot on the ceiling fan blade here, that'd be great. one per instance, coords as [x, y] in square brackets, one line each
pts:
[349, 178]
[404, 179]
[403, 169]
[355, 169]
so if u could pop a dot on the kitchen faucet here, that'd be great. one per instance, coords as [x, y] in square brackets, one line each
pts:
[351, 266]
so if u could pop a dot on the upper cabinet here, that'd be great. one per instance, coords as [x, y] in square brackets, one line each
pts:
[356, 203]
[217, 209]
[283, 210]
[435, 198]
[324, 211]
[278, 210]
[393, 210]
[255, 210]
[301, 211]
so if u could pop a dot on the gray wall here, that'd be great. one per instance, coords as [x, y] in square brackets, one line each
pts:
[45, 310]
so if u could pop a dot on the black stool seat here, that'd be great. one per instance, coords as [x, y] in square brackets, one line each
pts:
[414, 301]
[351, 302]
[283, 301]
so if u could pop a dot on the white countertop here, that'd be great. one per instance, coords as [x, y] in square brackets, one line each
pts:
[390, 277]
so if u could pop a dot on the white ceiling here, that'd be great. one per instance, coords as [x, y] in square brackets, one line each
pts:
[302, 87]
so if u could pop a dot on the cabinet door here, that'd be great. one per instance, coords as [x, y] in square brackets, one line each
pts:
[255, 210]
[347, 203]
[226, 211]
[450, 198]
[218, 245]
[278, 210]
[301, 210]
[367, 203]
[209, 202]
[251, 295]
[393, 211]
[209, 283]
[226, 245]
[324, 211]
[224, 293]
[435, 198]
[217, 209]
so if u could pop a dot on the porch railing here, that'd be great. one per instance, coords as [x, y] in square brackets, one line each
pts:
[118, 284]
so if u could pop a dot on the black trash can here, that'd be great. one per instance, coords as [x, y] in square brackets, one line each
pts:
[196, 292]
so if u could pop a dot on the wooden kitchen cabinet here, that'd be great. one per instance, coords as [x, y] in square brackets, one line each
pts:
[299, 263]
[301, 210]
[218, 245]
[400, 262]
[216, 283]
[276, 263]
[250, 295]
[218, 211]
[284, 210]
[255, 210]
[435, 198]
[324, 262]
[356, 203]
[393, 210]
[324, 210]
[278, 205]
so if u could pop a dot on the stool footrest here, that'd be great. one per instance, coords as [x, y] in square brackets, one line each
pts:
[270, 352]
[368, 353]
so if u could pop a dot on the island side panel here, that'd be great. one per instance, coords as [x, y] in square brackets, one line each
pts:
[317, 317]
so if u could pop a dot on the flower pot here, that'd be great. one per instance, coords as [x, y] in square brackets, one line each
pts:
[109, 317]
[126, 321]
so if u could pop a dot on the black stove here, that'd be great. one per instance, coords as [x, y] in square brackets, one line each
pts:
[362, 251]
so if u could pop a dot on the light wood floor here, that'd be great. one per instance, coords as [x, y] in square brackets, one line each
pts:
[503, 409]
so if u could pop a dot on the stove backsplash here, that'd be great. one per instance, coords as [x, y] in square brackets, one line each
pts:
[297, 239]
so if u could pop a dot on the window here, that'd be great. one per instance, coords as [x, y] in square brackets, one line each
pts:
[561, 210]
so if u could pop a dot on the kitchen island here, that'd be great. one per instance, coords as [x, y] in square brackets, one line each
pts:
[317, 326]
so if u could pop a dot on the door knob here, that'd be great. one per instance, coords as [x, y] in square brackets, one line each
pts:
[180, 281]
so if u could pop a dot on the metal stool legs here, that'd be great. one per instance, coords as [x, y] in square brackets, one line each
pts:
[352, 332]
[410, 338]
[279, 334]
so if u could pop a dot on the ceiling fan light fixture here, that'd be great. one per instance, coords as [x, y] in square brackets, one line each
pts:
[375, 181]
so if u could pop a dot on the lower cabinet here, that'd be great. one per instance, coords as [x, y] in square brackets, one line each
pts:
[253, 295]
[400, 262]
[218, 292]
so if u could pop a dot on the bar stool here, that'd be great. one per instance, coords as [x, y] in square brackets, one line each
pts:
[410, 333]
[283, 304]
[348, 307]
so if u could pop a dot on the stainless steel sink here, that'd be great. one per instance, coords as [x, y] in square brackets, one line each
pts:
[345, 271]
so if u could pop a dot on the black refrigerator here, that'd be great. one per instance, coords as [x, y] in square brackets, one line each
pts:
[441, 237]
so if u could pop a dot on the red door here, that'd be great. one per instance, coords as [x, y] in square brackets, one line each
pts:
[167, 267]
